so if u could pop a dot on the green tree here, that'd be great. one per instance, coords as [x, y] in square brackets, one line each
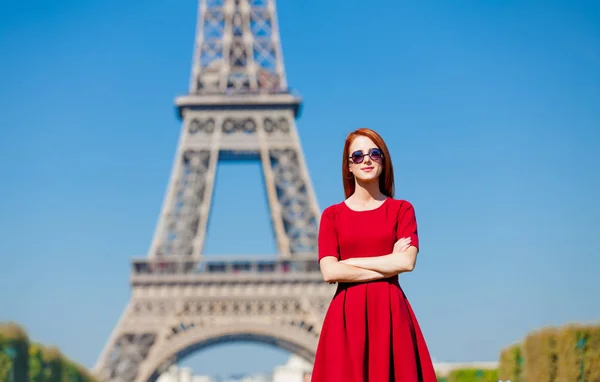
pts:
[5, 366]
[36, 363]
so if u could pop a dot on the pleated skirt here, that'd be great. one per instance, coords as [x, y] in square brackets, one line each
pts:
[370, 334]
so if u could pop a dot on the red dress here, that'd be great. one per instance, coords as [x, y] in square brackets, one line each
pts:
[370, 333]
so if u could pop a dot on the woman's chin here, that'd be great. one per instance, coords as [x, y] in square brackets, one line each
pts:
[368, 179]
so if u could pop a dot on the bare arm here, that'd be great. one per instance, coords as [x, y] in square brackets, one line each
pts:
[337, 271]
[404, 254]
[392, 264]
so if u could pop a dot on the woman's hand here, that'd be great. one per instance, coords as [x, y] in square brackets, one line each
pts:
[402, 259]
[402, 245]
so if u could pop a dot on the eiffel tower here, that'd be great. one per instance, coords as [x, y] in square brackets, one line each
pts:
[238, 107]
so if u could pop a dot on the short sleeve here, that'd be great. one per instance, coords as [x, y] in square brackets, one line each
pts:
[328, 239]
[407, 223]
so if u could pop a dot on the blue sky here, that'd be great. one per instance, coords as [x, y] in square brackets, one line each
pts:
[491, 110]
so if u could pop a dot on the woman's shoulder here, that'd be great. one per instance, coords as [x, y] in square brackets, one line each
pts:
[401, 204]
[332, 211]
[333, 208]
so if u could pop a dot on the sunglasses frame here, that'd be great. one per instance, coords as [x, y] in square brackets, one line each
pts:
[363, 155]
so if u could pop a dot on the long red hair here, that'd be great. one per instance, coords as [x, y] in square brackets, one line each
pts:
[386, 179]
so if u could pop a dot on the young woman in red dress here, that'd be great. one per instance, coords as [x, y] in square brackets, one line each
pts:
[370, 333]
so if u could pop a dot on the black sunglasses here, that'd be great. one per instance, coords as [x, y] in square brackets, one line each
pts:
[358, 156]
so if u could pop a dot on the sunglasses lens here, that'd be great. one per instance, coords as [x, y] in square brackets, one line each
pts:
[376, 154]
[357, 157]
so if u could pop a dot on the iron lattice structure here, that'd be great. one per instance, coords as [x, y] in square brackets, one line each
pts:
[238, 107]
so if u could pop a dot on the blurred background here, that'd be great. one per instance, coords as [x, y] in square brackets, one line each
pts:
[491, 111]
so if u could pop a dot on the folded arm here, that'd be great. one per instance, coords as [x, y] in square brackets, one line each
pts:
[337, 271]
[392, 264]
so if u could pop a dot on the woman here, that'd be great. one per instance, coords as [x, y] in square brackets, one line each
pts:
[370, 333]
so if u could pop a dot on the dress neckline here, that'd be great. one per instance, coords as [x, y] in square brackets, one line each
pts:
[372, 209]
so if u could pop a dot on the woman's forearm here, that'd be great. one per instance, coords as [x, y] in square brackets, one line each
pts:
[392, 264]
[339, 272]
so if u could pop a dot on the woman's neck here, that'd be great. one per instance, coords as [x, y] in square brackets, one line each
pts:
[368, 192]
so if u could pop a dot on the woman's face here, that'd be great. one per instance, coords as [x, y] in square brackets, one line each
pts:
[366, 159]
